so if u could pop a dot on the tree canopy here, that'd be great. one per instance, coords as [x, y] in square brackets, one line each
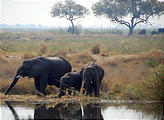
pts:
[119, 11]
[70, 10]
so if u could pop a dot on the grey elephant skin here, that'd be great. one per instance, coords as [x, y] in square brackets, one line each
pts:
[68, 81]
[44, 71]
[92, 75]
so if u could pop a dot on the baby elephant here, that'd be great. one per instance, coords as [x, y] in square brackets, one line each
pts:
[68, 81]
[92, 74]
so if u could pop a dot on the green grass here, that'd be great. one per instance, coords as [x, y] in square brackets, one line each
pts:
[114, 43]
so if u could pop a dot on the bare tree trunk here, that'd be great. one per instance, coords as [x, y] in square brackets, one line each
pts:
[130, 31]
[73, 27]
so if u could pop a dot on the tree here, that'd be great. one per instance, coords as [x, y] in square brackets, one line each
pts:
[119, 11]
[70, 10]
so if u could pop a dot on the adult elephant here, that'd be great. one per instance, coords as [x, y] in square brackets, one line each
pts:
[92, 74]
[44, 71]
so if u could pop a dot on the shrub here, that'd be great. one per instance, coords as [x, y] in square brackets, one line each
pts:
[42, 49]
[152, 63]
[95, 49]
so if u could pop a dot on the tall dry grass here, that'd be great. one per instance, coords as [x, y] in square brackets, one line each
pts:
[126, 77]
[134, 78]
[77, 60]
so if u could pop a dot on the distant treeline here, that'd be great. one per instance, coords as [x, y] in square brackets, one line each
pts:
[78, 30]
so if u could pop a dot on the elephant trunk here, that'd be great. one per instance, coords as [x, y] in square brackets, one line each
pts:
[12, 85]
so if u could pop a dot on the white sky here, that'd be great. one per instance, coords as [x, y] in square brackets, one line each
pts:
[38, 12]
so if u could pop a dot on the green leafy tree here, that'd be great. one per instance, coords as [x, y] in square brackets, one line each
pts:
[70, 10]
[119, 11]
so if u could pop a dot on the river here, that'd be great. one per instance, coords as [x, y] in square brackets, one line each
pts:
[76, 110]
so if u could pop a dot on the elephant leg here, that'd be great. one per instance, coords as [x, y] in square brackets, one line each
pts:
[83, 92]
[62, 91]
[89, 91]
[96, 89]
[37, 83]
[43, 83]
[61, 94]
[69, 92]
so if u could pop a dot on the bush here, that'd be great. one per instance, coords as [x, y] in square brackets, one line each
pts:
[42, 49]
[152, 63]
[95, 49]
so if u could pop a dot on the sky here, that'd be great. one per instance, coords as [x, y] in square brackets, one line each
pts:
[38, 12]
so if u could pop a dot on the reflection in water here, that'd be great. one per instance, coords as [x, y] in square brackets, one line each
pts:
[12, 110]
[75, 110]
[60, 111]
[68, 111]
[92, 111]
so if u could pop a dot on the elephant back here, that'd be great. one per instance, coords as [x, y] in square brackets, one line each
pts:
[58, 66]
[68, 65]
[59, 60]
[73, 79]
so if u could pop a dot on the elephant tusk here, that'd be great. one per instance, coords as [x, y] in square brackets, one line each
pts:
[18, 76]
[91, 82]
[12, 79]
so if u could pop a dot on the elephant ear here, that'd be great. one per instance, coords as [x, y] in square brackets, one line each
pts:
[27, 64]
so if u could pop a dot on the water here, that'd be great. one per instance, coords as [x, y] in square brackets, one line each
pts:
[75, 110]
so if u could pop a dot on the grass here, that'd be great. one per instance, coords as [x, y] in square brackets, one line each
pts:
[119, 44]
[134, 79]
[133, 65]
